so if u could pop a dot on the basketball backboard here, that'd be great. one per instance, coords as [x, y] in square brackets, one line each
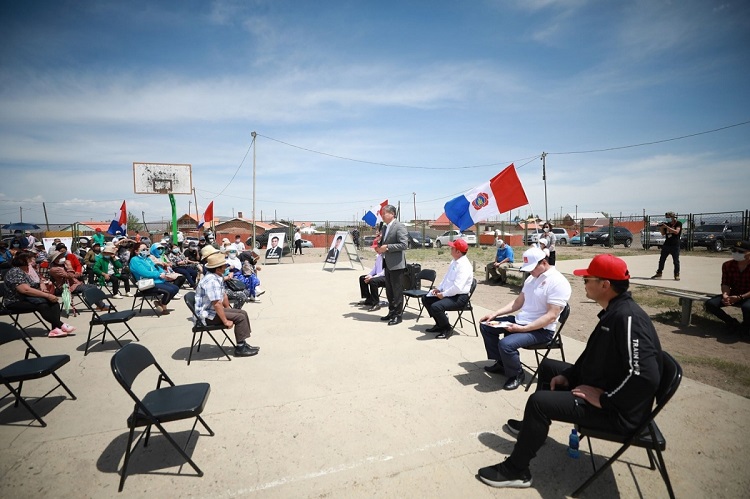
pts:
[162, 178]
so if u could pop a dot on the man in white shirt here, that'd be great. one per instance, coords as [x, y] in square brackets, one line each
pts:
[543, 297]
[453, 291]
[238, 244]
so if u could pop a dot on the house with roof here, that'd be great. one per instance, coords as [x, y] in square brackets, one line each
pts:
[590, 219]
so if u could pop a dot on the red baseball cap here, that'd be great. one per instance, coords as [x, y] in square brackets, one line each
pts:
[606, 266]
[98, 229]
[460, 245]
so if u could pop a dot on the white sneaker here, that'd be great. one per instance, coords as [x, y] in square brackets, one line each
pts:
[178, 296]
[130, 294]
[118, 296]
[259, 291]
[254, 299]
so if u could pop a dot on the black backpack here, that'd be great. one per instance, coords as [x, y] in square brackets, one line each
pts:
[410, 276]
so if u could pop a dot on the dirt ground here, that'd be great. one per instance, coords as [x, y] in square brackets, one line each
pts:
[706, 350]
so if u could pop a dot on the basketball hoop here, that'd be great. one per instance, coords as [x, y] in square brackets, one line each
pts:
[162, 185]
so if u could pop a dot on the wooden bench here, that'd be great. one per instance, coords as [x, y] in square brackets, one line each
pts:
[686, 300]
[509, 269]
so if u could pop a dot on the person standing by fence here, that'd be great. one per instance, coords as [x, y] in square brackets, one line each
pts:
[672, 230]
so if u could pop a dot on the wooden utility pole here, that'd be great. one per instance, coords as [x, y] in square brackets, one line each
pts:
[544, 177]
[46, 220]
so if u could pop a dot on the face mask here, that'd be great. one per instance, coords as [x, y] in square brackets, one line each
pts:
[546, 229]
[232, 254]
[176, 251]
[226, 271]
[157, 252]
[61, 261]
[738, 256]
[143, 253]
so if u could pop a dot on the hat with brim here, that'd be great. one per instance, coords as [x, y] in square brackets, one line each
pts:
[216, 260]
[460, 245]
[109, 248]
[39, 243]
[606, 266]
[531, 258]
[207, 251]
[742, 246]
[54, 256]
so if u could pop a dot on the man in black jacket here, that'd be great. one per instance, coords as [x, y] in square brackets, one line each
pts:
[611, 386]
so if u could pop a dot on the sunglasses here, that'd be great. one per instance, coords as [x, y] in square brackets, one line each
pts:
[586, 280]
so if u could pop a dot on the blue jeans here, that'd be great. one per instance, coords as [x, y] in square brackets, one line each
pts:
[506, 350]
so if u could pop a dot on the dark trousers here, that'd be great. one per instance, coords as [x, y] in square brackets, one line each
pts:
[241, 323]
[298, 246]
[673, 250]
[49, 311]
[545, 406]
[394, 290]
[115, 281]
[189, 273]
[166, 291]
[369, 291]
[437, 307]
[714, 306]
[552, 257]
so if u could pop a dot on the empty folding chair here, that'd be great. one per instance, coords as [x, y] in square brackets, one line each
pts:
[93, 296]
[159, 406]
[426, 275]
[29, 368]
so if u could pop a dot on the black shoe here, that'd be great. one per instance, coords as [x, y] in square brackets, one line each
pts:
[396, 319]
[514, 426]
[374, 307]
[514, 382]
[501, 475]
[433, 329]
[387, 317]
[656, 276]
[245, 351]
[497, 367]
[446, 333]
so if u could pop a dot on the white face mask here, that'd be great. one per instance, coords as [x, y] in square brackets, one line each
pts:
[546, 229]
[738, 256]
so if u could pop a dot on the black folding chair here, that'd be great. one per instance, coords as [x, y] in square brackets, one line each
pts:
[423, 275]
[159, 406]
[145, 296]
[647, 435]
[199, 328]
[555, 343]
[29, 368]
[467, 308]
[93, 296]
[14, 314]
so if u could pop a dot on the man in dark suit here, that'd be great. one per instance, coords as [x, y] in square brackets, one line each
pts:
[333, 253]
[394, 242]
[275, 250]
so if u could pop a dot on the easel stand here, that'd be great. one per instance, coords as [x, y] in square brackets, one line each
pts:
[351, 252]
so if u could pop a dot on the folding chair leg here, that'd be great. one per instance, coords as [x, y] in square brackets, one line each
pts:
[598, 472]
[220, 347]
[179, 449]
[17, 395]
[65, 387]
[128, 451]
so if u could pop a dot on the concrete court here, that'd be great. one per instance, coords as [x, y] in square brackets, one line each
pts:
[338, 404]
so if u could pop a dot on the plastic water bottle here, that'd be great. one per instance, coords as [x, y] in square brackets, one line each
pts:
[573, 444]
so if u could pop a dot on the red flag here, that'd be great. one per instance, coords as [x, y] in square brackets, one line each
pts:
[123, 216]
[120, 222]
[208, 215]
[507, 190]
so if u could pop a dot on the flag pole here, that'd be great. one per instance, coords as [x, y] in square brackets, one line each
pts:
[544, 177]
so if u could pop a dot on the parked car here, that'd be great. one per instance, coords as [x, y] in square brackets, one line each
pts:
[716, 237]
[367, 241]
[415, 240]
[561, 236]
[450, 235]
[601, 236]
[261, 240]
[307, 244]
[533, 236]
[576, 240]
[656, 238]
[189, 239]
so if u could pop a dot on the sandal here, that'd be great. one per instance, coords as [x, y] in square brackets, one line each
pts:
[57, 333]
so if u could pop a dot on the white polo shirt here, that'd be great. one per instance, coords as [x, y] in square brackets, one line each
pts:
[549, 288]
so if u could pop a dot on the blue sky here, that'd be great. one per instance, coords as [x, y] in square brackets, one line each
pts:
[430, 97]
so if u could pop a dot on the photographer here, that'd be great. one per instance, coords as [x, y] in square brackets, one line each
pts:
[672, 230]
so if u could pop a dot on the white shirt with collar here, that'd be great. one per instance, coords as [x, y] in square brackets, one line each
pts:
[458, 279]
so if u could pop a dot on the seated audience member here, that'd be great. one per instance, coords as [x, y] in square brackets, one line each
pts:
[5, 256]
[24, 294]
[735, 289]
[142, 267]
[212, 306]
[611, 386]
[238, 244]
[503, 260]
[30, 239]
[75, 263]
[370, 282]
[90, 259]
[238, 298]
[539, 304]
[41, 255]
[225, 245]
[108, 269]
[181, 265]
[453, 291]
[160, 259]
[61, 273]
[250, 281]
[19, 241]
[98, 237]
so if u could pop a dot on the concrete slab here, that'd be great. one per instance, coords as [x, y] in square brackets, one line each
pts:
[338, 404]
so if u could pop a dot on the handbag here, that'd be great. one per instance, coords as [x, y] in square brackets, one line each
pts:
[144, 284]
[235, 285]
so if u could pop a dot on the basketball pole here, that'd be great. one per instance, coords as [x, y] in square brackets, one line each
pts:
[174, 218]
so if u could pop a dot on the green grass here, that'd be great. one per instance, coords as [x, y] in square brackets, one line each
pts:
[648, 296]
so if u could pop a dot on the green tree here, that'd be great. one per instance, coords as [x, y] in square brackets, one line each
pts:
[134, 223]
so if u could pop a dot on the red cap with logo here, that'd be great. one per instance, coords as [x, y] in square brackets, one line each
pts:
[606, 266]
